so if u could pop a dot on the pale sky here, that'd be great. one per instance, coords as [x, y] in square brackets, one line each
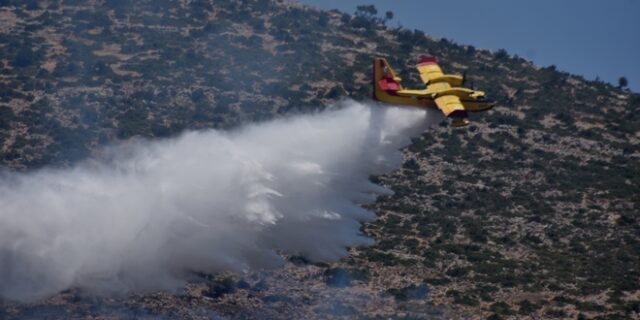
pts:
[586, 37]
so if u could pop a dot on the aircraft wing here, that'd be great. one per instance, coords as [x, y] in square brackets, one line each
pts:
[430, 72]
[450, 105]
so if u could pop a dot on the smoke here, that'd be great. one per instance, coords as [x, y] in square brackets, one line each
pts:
[147, 214]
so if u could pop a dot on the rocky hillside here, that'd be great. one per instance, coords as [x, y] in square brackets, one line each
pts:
[532, 211]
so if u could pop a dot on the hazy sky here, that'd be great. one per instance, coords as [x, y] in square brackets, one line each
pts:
[587, 37]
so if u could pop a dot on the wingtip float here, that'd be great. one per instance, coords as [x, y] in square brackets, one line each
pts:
[442, 91]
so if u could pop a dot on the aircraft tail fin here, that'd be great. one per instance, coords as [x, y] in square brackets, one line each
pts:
[384, 79]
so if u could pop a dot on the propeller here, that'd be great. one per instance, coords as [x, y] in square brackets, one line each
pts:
[464, 81]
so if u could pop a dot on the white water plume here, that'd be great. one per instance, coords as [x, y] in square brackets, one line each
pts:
[149, 213]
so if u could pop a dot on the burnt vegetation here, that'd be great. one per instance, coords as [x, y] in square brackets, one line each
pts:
[533, 210]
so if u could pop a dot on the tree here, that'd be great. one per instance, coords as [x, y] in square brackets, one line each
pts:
[388, 15]
[501, 54]
[323, 20]
[25, 56]
[471, 49]
[622, 82]
[366, 10]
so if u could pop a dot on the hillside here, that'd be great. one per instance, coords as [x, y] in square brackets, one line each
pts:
[532, 211]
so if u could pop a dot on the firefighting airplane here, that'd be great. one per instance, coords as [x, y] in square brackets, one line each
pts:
[443, 91]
